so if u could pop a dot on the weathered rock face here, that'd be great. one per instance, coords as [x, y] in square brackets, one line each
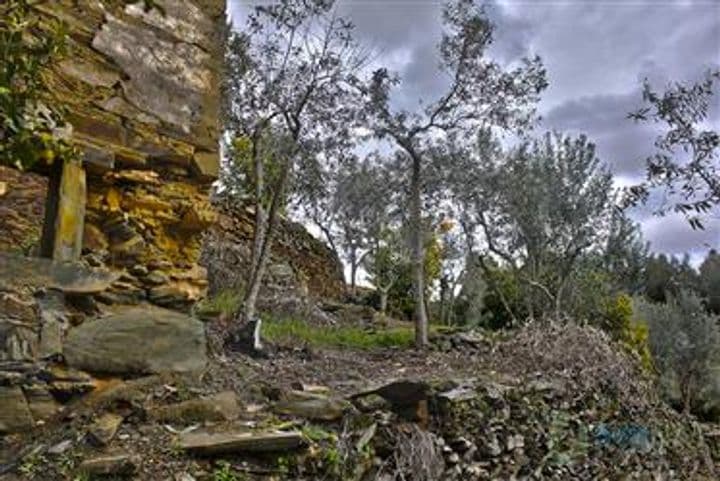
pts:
[138, 341]
[301, 265]
[21, 209]
[141, 91]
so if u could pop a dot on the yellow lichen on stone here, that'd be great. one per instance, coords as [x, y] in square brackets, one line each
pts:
[71, 213]
[113, 199]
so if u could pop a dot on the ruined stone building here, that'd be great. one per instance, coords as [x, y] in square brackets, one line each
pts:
[142, 91]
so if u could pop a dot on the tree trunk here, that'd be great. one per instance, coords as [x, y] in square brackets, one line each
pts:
[443, 294]
[353, 271]
[418, 254]
[383, 300]
[263, 236]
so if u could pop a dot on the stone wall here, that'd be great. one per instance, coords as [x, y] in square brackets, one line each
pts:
[141, 91]
[300, 264]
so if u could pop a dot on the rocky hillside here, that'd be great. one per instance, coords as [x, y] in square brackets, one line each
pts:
[131, 394]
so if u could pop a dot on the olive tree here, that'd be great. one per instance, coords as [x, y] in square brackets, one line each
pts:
[290, 90]
[685, 341]
[686, 161]
[542, 208]
[480, 92]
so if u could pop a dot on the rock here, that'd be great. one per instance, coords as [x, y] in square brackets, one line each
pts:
[459, 394]
[156, 278]
[318, 409]
[219, 407]
[120, 464]
[138, 340]
[18, 340]
[89, 73]
[13, 306]
[36, 272]
[60, 448]
[515, 441]
[133, 176]
[139, 270]
[3, 188]
[239, 442]
[165, 78]
[103, 430]
[15, 414]
[41, 403]
[175, 294]
[401, 393]
[94, 239]
[492, 447]
[207, 164]
[53, 323]
[66, 383]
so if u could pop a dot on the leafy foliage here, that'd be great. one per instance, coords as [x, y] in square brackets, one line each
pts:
[541, 209]
[685, 342]
[29, 125]
[480, 94]
[709, 281]
[686, 162]
[291, 95]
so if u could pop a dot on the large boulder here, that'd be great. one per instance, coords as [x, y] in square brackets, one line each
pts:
[138, 340]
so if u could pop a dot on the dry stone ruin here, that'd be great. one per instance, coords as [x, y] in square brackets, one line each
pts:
[140, 87]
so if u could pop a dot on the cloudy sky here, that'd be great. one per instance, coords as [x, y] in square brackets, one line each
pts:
[596, 53]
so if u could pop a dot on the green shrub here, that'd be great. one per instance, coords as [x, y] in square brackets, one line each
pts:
[617, 319]
[685, 343]
[29, 122]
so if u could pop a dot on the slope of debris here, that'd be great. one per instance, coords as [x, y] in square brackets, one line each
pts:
[552, 402]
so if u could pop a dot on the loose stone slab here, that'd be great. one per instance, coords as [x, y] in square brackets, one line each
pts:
[317, 409]
[104, 428]
[120, 464]
[210, 444]
[140, 340]
[219, 407]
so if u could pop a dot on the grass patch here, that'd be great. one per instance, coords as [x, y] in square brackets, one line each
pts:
[224, 303]
[294, 331]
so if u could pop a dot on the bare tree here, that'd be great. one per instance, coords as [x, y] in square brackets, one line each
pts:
[686, 161]
[291, 90]
[479, 93]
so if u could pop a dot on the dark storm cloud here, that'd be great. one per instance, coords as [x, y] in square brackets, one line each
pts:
[672, 235]
[596, 54]
[622, 144]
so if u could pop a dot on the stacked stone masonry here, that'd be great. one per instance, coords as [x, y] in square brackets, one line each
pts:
[141, 90]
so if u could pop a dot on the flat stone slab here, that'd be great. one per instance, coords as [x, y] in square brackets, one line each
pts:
[119, 464]
[401, 392]
[314, 409]
[38, 272]
[211, 444]
[219, 407]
